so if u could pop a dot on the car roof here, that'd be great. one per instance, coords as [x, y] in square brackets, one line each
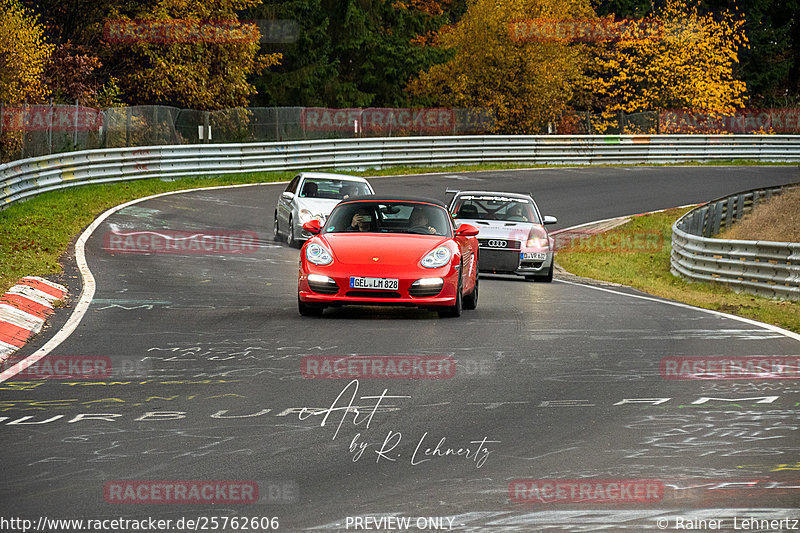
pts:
[330, 175]
[521, 196]
[393, 198]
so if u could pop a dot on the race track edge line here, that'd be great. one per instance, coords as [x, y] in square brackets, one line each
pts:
[87, 292]
[776, 329]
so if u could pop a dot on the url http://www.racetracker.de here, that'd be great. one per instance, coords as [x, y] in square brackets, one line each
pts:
[44, 524]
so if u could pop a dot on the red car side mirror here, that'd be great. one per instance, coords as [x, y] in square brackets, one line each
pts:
[467, 230]
[312, 226]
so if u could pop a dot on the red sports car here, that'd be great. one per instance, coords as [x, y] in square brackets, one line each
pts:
[378, 250]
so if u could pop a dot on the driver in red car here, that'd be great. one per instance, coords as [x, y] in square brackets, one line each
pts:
[419, 220]
[362, 221]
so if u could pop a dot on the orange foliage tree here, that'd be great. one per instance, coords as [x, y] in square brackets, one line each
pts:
[527, 84]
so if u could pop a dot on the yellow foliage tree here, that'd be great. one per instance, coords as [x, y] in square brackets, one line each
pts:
[193, 72]
[527, 84]
[684, 61]
[23, 54]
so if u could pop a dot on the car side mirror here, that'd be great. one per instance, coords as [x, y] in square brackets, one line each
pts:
[312, 226]
[467, 230]
[287, 195]
[550, 220]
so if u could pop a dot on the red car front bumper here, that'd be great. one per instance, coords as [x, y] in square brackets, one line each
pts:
[405, 295]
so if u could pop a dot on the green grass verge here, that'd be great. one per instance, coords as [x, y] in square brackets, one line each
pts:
[650, 273]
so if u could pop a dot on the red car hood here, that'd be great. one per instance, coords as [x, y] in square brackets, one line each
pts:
[390, 249]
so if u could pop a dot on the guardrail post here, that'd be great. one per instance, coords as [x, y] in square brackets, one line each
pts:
[75, 131]
[127, 126]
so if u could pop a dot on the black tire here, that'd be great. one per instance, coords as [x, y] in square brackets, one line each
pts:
[276, 234]
[471, 300]
[547, 278]
[454, 311]
[308, 309]
[290, 240]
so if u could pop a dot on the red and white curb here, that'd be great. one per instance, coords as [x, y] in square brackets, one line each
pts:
[23, 310]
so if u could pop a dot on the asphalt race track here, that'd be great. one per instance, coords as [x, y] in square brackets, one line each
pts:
[553, 383]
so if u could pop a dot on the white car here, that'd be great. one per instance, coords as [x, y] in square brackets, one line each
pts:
[512, 234]
[310, 196]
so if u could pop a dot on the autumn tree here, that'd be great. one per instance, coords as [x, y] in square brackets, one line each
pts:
[770, 64]
[347, 53]
[527, 83]
[70, 75]
[24, 53]
[173, 65]
[678, 58]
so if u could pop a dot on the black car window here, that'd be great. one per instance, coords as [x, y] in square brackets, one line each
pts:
[390, 217]
[292, 187]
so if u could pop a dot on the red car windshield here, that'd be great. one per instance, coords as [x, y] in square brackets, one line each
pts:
[389, 217]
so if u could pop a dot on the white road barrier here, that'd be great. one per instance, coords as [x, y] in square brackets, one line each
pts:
[770, 269]
[28, 177]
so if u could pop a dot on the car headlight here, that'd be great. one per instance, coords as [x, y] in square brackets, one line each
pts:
[318, 254]
[437, 258]
[305, 216]
[537, 242]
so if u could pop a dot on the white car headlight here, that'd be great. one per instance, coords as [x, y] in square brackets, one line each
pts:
[537, 242]
[318, 254]
[436, 258]
[305, 216]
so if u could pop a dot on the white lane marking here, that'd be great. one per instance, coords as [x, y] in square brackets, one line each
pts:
[616, 219]
[87, 293]
[776, 329]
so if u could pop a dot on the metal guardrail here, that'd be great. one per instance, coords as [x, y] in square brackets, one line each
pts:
[766, 268]
[28, 177]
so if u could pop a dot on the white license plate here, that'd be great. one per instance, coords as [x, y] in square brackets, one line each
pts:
[383, 284]
[533, 256]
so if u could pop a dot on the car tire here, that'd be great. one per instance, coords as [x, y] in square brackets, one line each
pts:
[547, 278]
[308, 309]
[471, 300]
[276, 234]
[454, 311]
[290, 240]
